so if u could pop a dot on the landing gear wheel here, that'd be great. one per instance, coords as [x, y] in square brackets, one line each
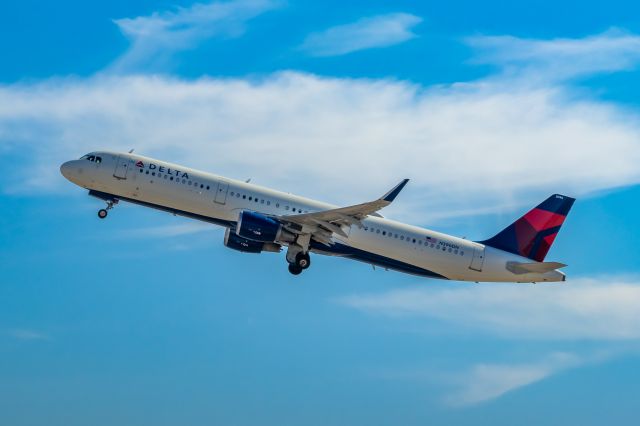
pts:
[295, 269]
[102, 213]
[303, 260]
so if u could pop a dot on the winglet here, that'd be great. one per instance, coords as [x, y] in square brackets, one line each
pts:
[391, 195]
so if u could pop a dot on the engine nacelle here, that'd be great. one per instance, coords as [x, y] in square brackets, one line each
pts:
[257, 227]
[244, 245]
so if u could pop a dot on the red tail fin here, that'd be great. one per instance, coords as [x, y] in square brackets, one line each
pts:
[533, 234]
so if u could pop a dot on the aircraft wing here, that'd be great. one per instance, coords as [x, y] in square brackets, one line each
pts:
[323, 224]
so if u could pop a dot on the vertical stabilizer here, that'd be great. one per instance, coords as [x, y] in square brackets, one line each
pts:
[533, 234]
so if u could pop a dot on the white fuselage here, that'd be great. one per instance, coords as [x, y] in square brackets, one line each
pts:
[220, 200]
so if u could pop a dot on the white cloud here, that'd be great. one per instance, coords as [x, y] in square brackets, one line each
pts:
[560, 58]
[168, 231]
[582, 309]
[366, 33]
[467, 147]
[156, 37]
[485, 382]
[26, 334]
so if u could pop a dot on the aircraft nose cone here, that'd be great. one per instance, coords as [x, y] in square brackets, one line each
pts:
[66, 169]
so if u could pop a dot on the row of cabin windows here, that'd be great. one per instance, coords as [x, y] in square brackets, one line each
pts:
[232, 193]
[299, 210]
[267, 202]
[177, 180]
[411, 240]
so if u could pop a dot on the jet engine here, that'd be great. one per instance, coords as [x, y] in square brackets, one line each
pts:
[244, 245]
[257, 227]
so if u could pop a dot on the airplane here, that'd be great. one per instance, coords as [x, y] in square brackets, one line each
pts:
[259, 219]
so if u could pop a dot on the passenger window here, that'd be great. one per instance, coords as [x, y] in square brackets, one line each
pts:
[268, 203]
[232, 193]
[278, 205]
[402, 237]
[201, 186]
[286, 207]
[153, 174]
[244, 197]
[171, 178]
[414, 241]
[141, 171]
[250, 198]
[384, 232]
[261, 201]
[207, 187]
[189, 183]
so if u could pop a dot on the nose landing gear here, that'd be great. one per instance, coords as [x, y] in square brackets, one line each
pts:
[102, 213]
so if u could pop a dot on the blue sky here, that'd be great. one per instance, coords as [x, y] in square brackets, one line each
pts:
[488, 107]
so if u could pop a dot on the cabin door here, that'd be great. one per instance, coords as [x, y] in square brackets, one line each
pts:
[478, 258]
[122, 167]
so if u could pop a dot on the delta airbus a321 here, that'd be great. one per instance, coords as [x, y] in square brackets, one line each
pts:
[259, 219]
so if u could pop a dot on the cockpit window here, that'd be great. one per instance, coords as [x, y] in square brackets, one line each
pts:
[93, 158]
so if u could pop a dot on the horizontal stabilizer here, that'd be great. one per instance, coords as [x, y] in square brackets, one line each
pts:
[535, 267]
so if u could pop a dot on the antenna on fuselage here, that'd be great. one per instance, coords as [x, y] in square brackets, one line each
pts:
[248, 180]
[131, 150]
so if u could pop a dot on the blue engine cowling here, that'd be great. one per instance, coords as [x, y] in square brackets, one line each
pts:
[257, 227]
[235, 242]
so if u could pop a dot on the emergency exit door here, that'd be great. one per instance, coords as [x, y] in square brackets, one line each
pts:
[221, 194]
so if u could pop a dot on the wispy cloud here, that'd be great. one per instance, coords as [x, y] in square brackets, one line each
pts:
[560, 58]
[27, 334]
[156, 37]
[168, 231]
[497, 136]
[485, 382]
[592, 309]
[366, 33]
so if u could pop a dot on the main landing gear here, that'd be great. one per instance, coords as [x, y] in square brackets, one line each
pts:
[102, 213]
[298, 261]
